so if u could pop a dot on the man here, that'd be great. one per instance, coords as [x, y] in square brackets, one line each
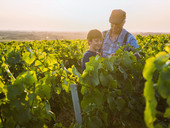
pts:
[117, 36]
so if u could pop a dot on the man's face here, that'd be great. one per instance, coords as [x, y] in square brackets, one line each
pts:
[96, 43]
[116, 28]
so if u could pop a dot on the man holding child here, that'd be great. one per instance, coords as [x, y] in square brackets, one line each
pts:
[112, 39]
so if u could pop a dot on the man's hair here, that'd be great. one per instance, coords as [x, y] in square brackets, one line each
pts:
[94, 34]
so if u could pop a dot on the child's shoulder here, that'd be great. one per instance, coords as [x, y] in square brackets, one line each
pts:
[89, 53]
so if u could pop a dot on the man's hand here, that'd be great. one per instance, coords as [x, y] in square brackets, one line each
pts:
[137, 56]
[112, 54]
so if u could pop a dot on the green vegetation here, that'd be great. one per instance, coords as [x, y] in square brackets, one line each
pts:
[117, 91]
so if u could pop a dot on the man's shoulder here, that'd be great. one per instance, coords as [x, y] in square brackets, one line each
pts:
[129, 35]
[125, 32]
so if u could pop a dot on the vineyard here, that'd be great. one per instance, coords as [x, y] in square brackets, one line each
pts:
[119, 91]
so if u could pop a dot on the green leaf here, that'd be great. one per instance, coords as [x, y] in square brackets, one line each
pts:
[111, 103]
[95, 96]
[167, 48]
[1, 86]
[158, 126]
[65, 85]
[117, 92]
[29, 78]
[163, 82]
[13, 92]
[113, 83]
[47, 90]
[3, 89]
[37, 63]
[87, 99]
[126, 60]
[108, 63]
[151, 103]
[58, 90]
[103, 79]
[104, 117]
[161, 54]
[28, 57]
[31, 96]
[75, 71]
[161, 60]
[18, 105]
[120, 102]
[22, 116]
[43, 90]
[83, 90]
[121, 69]
[94, 122]
[90, 75]
[168, 100]
[98, 97]
[167, 113]
[165, 74]
[107, 80]
[43, 69]
[133, 58]
[48, 110]
[149, 68]
[51, 59]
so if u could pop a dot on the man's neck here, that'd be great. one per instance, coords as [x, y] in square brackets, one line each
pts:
[113, 35]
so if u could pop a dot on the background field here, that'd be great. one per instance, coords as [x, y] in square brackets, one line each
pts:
[35, 35]
[35, 78]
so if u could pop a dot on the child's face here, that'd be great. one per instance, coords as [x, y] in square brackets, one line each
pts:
[96, 44]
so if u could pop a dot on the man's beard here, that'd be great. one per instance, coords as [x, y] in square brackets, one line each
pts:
[116, 30]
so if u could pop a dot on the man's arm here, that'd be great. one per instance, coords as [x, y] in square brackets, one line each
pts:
[132, 41]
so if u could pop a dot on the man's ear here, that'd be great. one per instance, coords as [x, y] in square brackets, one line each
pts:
[123, 23]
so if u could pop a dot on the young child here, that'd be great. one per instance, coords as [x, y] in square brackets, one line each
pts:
[94, 39]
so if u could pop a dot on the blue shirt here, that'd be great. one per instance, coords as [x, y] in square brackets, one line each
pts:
[110, 46]
[86, 57]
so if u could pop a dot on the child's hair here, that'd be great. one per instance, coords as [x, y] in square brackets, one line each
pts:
[94, 34]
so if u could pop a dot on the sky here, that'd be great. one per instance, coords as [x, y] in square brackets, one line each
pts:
[83, 15]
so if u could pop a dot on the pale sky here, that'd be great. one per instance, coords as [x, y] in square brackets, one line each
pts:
[83, 15]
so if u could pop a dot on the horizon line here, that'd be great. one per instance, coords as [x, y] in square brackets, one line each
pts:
[13, 30]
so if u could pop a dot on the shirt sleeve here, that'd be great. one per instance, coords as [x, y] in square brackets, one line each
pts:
[84, 60]
[132, 41]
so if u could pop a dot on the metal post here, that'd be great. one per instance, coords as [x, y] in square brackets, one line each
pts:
[76, 104]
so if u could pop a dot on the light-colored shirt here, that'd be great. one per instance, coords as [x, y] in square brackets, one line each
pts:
[110, 46]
